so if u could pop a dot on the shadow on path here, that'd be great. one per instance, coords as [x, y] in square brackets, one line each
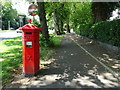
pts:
[71, 68]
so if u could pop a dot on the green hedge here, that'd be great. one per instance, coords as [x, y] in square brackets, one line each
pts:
[106, 31]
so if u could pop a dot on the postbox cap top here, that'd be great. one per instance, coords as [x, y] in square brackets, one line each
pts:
[30, 27]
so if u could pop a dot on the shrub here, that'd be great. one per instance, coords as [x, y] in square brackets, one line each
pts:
[84, 29]
[105, 31]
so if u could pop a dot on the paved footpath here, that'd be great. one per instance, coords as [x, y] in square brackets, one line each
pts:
[73, 66]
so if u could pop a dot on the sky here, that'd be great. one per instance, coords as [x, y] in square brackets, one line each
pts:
[115, 14]
[21, 6]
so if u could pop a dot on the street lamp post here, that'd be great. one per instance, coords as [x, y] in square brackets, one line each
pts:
[8, 25]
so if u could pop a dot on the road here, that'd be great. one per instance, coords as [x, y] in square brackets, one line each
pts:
[74, 65]
[8, 34]
[11, 34]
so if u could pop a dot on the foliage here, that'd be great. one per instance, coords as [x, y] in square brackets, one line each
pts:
[83, 29]
[37, 23]
[105, 31]
[8, 14]
[70, 13]
[81, 14]
[53, 41]
[82, 20]
[62, 13]
[103, 10]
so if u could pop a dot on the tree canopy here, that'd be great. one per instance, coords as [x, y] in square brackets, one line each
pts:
[8, 14]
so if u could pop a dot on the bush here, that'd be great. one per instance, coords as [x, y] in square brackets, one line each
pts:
[105, 31]
[85, 29]
[53, 41]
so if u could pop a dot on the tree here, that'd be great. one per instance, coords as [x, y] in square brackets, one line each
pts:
[8, 14]
[42, 15]
[64, 15]
[81, 14]
[56, 25]
[67, 10]
[103, 10]
[42, 18]
[59, 12]
[53, 12]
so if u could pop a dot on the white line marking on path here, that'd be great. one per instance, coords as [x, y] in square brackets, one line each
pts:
[110, 70]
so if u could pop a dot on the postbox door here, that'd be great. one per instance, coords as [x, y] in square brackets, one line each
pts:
[29, 56]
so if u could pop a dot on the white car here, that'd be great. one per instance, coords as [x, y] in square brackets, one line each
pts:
[18, 31]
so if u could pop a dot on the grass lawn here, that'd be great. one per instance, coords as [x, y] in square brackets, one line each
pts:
[11, 54]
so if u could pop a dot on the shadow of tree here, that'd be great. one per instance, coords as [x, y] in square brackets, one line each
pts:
[107, 57]
[73, 68]
[12, 58]
[13, 42]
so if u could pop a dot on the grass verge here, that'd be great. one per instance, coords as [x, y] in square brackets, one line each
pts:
[11, 54]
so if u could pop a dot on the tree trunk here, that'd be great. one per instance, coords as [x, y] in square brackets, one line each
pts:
[42, 16]
[99, 13]
[68, 28]
[56, 25]
[61, 27]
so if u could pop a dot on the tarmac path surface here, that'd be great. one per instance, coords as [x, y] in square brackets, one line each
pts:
[73, 67]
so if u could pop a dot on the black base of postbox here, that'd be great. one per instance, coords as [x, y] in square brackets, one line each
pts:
[30, 75]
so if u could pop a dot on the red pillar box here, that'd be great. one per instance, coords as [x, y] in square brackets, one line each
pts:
[31, 52]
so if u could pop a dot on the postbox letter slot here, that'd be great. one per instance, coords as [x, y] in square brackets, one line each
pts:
[28, 32]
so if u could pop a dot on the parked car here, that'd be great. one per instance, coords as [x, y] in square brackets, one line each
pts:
[12, 28]
[18, 31]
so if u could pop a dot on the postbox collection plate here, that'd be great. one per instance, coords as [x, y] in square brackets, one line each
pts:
[28, 43]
